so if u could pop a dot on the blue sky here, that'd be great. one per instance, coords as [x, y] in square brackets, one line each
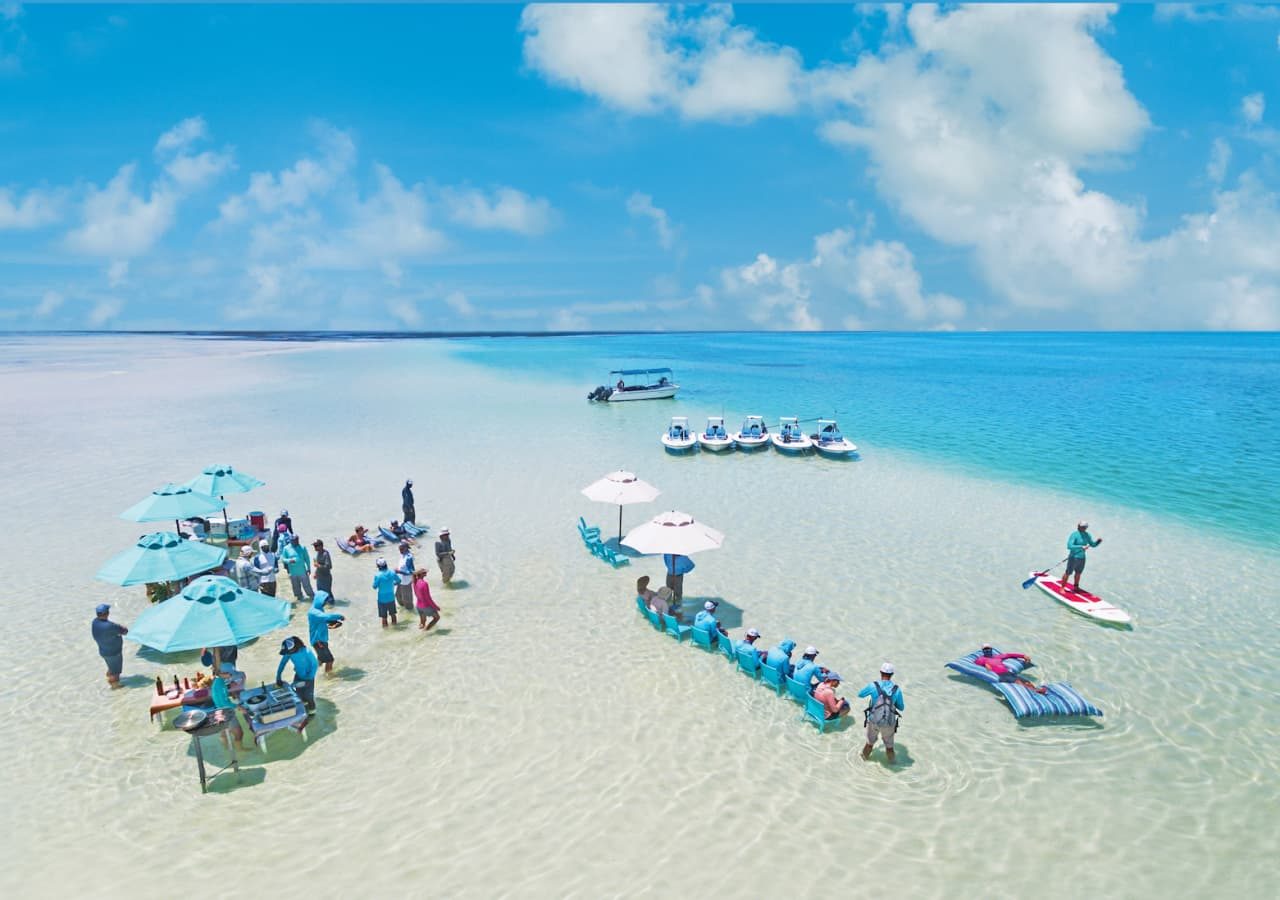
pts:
[655, 167]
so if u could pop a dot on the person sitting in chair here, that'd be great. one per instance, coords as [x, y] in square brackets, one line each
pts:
[825, 693]
[706, 621]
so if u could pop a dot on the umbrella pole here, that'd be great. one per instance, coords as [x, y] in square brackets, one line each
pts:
[226, 526]
[217, 661]
[619, 524]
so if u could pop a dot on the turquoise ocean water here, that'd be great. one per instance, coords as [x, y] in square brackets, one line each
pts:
[1182, 425]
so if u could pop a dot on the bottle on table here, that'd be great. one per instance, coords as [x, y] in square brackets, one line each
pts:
[159, 686]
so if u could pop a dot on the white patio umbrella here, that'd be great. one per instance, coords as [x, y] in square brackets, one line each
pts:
[673, 532]
[620, 489]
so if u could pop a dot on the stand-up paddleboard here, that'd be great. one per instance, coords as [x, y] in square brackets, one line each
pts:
[1082, 602]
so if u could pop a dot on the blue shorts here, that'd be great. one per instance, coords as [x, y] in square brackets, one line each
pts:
[115, 663]
[1075, 565]
[386, 609]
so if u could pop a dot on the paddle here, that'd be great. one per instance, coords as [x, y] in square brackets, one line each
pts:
[1034, 575]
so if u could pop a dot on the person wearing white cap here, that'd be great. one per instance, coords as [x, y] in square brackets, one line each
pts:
[1077, 543]
[265, 566]
[245, 574]
[445, 555]
[884, 701]
[706, 620]
[807, 670]
[406, 502]
[749, 642]
[385, 583]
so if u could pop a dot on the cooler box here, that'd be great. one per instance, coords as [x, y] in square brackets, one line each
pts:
[242, 529]
[258, 520]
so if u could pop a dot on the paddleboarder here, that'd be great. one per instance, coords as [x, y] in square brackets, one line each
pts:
[1079, 541]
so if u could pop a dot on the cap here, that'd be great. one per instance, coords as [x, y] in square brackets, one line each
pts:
[103, 607]
[404, 547]
[1082, 524]
[753, 633]
[811, 651]
[290, 645]
[886, 668]
[382, 563]
[246, 550]
[986, 646]
[409, 481]
[317, 543]
[787, 645]
[444, 530]
[284, 512]
[264, 544]
[709, 605]
[832, 676]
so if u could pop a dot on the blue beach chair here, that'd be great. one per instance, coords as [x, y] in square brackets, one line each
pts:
[654, 619]
[675, 629]
[726, 647]
[702, 638]
[748, 661]
[797, 690]
[772, 677]
[816, 713]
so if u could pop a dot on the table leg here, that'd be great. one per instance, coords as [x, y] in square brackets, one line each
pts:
[200, 764]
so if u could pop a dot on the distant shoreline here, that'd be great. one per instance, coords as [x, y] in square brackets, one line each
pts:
[314, 335]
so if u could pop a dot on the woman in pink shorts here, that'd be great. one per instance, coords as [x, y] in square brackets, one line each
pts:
[426, 606]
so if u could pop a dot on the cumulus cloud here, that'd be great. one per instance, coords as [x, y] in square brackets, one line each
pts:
[506, 209]
[119, 223]
[1252, 107]
[1219, 160]
[641, 206]
[49, 303]
[294, 187]
[645, 58]
[191, 171]
[846, 283]
[13, 39]
[34, 209]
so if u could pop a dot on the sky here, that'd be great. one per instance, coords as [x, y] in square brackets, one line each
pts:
[656, 167]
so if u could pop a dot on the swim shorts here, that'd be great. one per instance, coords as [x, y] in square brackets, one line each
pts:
[884, 732]
[322, 651]
[115, 663]
[386, 609]
[1075, 565]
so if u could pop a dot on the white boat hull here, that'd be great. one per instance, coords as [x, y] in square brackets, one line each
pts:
[835, 448]
[795, 445]
[746, 442]
[679, 446]
[661, 393]
[715, 445]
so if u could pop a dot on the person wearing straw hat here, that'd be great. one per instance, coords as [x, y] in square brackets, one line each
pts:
[109, 636]
[884, 702]
[445, 555]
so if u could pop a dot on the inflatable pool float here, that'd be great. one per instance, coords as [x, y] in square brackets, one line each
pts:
[1058, 699]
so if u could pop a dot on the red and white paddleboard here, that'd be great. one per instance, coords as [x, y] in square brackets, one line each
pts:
[1082, 602]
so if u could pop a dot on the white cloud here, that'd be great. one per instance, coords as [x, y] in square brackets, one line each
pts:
[294, 187]
[1219, 160]
[191, 172]
[34, 209]
[851, 283]
[458, 302]
[117, 272]
[507, 210]
[566, 319]
[104, 311]
[1252, 107]
[182, 135]
[645, 58]
[641, 206]
[48, 305]
[119, 223]
[13, 39]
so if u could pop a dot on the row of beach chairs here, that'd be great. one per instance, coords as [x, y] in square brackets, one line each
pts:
[746, 660]
[591, 539]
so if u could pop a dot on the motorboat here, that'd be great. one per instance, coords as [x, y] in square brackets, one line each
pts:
[753, 435]
[715, 438]
[791, 437]
[678, 438]
[637, 384]
[830, 442]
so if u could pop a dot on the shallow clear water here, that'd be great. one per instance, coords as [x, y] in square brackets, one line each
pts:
[545, 742]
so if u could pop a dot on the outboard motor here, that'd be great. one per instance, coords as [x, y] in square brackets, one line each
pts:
[601, 393]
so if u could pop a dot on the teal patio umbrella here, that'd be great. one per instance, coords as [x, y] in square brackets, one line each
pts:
[173, 501]
[218, 481]
[162, 556]
[211, 611]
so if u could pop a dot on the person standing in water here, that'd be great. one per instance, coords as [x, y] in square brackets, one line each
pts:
[884, 702]
[445, 555]
[426, 607]
[318, 622]
[406, 502]
[1079, 541]
[324, 569]
[107, 635]
[385, 583]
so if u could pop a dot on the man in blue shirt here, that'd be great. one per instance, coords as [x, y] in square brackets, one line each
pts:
[780, 657]
[305, 667]
[807, 669]
[885, 700]
[677, 567]
[384, 582]
[749, 642]
[706, 621]
[1079, 541]
[108, 636]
